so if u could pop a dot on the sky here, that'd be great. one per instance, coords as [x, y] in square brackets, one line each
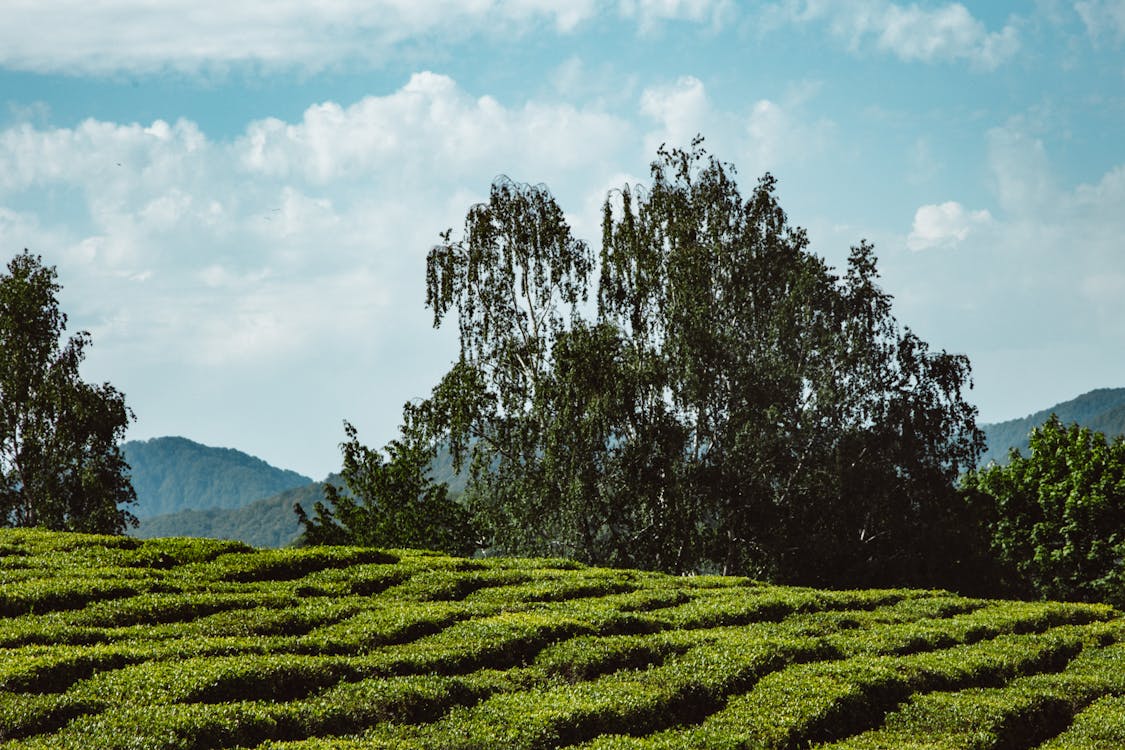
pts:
[239, 197]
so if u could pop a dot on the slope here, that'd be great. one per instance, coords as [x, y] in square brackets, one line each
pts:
[268, 522]
[173, 473]
[1102, 410]
[113, 642]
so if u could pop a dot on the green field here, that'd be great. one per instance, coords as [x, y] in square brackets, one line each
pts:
[114, 642]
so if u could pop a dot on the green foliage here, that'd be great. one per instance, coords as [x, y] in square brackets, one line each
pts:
[286, 565]
[22, 714]
[212, 645]
[60, 464]
[734, 405]
[1057, 517]
[388, 503]
[1100, 726]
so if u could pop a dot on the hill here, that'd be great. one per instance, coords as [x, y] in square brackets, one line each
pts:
[171, 474]
[1102, 410]
[228, 494]
[114, 642]
[269, 522]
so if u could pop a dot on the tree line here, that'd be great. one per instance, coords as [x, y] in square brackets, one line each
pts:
[703, 393]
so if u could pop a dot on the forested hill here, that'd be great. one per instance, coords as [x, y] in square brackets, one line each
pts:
[269, 522]
[1102, 410]
[172, 474]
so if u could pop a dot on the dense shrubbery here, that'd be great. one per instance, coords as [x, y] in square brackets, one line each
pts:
[1056, 518]
[202, 644]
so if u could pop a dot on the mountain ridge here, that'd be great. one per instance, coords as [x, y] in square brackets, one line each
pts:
[1102, 410]
[267, 519]
[174, 473]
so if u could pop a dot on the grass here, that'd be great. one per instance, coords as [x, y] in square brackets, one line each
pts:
[113, 642]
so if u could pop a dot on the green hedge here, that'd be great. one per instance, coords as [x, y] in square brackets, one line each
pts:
[199, 644]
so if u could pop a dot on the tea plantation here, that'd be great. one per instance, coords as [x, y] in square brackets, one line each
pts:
[114, 642]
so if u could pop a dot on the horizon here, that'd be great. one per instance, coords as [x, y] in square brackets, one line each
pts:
[239, 199]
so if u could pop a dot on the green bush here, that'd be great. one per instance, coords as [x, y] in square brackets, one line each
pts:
[39, 595]
[52, 669]
[1057, 517]
[389, 623]
[215, 679]
[153, 609]
[23, 714]
[1100, 726]
[285, 565]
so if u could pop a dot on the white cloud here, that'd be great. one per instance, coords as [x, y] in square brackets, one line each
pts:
[948, 32]
[944, 225]
[1103, 18]
[649, 14]
[293, 246]
[429, 127]
[682, 110]
[1046, 266]
[1021, 176]
[71, 36]
[139, 36]
[768, 135]
[778, 133]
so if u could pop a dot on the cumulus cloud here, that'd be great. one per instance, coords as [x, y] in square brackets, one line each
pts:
[944, 225]
[768, 134]
[913, 33]
[1046, 265]
[681, 110]
[429, 126]
[295, 245]
[296, 242]
[779, 132]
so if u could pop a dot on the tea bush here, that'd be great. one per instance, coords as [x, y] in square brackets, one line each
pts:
[167, 643]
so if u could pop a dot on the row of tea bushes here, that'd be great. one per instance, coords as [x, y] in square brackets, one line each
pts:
[120, 643]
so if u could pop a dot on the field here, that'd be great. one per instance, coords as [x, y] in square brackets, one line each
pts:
[109, 642]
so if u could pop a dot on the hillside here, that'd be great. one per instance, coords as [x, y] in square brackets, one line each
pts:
[269, 522]
[114, 642]
[235, 499]
[1102, 410]
[172, 474]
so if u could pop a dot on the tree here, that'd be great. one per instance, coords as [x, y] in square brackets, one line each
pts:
[1056, 518]
[822, 441]
[61, 466]
[731, 405]
[388, 503]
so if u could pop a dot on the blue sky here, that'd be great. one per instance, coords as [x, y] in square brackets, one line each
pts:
[239, 197]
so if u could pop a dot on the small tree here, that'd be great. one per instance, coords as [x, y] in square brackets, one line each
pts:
[388, 503]
[60, 462]
[1057, 517]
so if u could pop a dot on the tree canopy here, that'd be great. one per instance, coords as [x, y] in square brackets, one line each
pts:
[718, 398]
[61, 466]
[387, 501]
[1056, 517]
[703, 394]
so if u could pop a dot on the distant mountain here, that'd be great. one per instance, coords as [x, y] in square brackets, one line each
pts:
[269, 522]
[172, 474]
[1102, 410]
